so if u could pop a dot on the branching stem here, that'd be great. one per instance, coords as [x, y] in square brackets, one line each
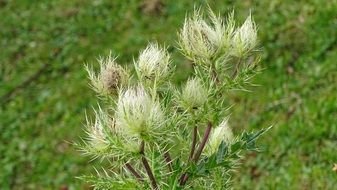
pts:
[184, 177]
[214, 73]
[147, 166]
[134, 172]
[203, 142]
[194, 141]
[237, 67]
[168, 160]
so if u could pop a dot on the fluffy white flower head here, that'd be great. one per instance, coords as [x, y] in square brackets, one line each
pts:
[111, 76]
[245, 37]
[153, 63]
[96, 134]
[200, 40]
[222, 133]
[193, 94]
[137, 114]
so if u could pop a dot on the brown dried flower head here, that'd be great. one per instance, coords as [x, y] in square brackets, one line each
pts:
[110, 78]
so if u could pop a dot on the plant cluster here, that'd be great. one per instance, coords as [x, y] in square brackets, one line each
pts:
[155, 135]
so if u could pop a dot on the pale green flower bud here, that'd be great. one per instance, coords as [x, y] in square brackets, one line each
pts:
[153, 63]
[245, 38]
[193, 94]
[222, 133]
[137, 114]
[110, 78]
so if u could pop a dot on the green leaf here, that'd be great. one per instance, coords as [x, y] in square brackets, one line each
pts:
[222, 152]
[250, 138]
[236, 146]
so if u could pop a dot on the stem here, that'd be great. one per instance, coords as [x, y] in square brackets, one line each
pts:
[184, 177]
[203, 142]
[237, 68]
[134, 172]
[168, 160]
[142, 148]
[194, 141]
[214, 73]
[147, 166]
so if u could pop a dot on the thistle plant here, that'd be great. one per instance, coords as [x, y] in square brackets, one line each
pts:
[150, 134]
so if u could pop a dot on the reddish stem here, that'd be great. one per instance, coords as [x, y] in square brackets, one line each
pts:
[147, 166]
[168, 160]
[184, 177]
[194, 141]
[203, 142]
[134, 172]
[237, 67]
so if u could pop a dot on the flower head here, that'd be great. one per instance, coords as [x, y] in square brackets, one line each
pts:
[200, 40]
[193, 94]
[153, 63]
[222, 133]
[105, 141]
[110, 78]
[97, 136]
[245, 37]
[137, 114]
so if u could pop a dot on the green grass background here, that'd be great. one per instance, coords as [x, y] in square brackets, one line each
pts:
[44, 91]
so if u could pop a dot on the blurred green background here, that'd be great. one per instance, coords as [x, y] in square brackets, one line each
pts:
[44, 92]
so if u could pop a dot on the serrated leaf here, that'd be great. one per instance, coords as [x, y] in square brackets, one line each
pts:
[236, 146]
[222, 152]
